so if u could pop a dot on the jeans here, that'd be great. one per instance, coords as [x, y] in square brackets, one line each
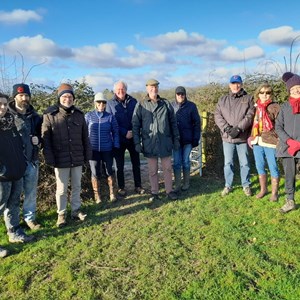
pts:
[135, 162]
[181, 158]
[62, 180]
[10, 193]
[30, 182]
[263, 154]
[243, 156]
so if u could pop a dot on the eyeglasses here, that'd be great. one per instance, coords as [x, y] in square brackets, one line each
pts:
[267, 93]
[180, 94]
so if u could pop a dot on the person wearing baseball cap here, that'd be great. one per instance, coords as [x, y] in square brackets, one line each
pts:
[189, 126]
[234, 116]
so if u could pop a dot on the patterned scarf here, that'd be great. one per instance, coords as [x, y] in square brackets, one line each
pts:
[261, 120]
[7, 121]
[295, 104]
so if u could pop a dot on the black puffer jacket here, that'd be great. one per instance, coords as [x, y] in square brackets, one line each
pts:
[65, 137]
[12, 159]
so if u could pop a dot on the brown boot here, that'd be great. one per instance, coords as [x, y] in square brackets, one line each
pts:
[263, 186]
[110, 182]
[275, 184]
[96, 189]
[186, 180]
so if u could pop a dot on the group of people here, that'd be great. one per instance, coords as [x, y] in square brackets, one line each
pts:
[271, 130]
[69, 139]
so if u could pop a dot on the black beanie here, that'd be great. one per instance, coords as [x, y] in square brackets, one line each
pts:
[21, 88]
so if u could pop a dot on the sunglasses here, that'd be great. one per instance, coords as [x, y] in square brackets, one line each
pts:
[180, 94]
[267, 93]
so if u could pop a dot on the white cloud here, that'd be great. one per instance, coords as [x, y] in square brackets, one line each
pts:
[234, 54]
[36, 47]
[280, 36]
[19, 16]
[180, 40]
[103, 55]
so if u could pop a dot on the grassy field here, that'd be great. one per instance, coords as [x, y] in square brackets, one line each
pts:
[201, 246]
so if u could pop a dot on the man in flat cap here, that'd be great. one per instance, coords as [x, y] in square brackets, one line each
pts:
[155, 134]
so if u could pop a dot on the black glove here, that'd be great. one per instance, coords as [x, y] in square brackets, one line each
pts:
[138, 148]
[195, 143]
[234, 132]
[227, 129]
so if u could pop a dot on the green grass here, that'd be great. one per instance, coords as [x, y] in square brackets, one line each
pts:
[201, 246]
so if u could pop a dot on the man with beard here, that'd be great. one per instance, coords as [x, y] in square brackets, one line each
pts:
[28, 123]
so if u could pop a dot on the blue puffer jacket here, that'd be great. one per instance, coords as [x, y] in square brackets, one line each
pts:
[188, 122]
[123, 111]
[103, 131]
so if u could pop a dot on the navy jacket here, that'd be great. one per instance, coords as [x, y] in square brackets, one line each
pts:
[123, 111]
[188, 122]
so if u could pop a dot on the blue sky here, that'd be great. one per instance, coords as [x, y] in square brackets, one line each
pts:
[188, 43]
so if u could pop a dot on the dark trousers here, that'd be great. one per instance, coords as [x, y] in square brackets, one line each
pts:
[135, 162]
[102, 160]
[290, 167]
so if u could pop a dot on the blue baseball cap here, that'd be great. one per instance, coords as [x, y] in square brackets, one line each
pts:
[236, 78]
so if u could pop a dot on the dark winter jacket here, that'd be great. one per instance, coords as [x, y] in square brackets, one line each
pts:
[154, 126]
[12, 159]
[65, 137]
[188, 122]
[287, 126]
[235, 110]
[123, 111]
[28, 124]
[103, 131]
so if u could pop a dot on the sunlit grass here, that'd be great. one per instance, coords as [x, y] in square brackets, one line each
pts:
[201, 246]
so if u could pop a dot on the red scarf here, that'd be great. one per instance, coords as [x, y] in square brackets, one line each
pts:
[262, 121]
[295, 104]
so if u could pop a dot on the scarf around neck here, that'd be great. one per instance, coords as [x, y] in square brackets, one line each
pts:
[262, 121]
[295, 104]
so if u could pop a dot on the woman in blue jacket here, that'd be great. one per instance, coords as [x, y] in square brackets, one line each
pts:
[104, 136]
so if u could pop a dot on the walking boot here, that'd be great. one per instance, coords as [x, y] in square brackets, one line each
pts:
[186, 180]
[96, 189]
[263, 186]
[177, 180]
[275, 185]
[288, 206]
[110, 182]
